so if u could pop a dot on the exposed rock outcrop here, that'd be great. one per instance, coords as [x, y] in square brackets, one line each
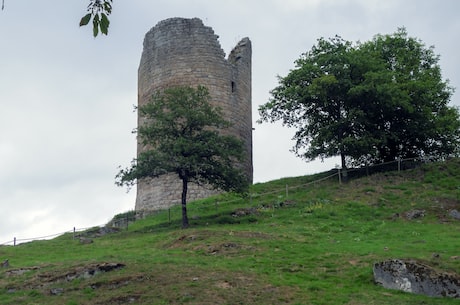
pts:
[454, 214]
[415, 277]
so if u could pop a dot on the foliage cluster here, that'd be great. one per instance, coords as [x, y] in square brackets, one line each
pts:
[98, 11]
[368, 102]
[183, 133]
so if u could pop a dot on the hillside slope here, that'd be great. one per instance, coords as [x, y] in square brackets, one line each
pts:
[291, 242]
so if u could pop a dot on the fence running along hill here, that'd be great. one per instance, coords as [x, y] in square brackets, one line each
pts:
[281, 194]
[16, 241]
[122, 220]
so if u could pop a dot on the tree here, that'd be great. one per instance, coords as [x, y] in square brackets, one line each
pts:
[182, 133]
[407, 100]
[313, 98]
[368, 102]
[98, 12]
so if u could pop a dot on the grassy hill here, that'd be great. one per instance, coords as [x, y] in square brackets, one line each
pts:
[307, 243]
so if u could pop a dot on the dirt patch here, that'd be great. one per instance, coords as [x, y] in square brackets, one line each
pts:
[245, 212]
[131, 299]
[224, 285]
[45, 279]
[20, 271]
[173, 284]
[251, 234]
[446, 203]
[191, 237]
[162, 284]
[441, 207]
[227, 248]
[83, 272]
[118, 282]
[218, 242]
[206, 238]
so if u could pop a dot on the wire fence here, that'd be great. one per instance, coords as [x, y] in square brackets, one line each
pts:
[16, 241]
[281, 195]
[338, 174]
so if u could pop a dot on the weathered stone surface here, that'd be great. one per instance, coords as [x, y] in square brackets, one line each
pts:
[413, 214]
[414, 277]
[56, 291]
[454, 214]
[185, 52]
[98, 232]
[85, 241]
[20, 271]
[244, 212]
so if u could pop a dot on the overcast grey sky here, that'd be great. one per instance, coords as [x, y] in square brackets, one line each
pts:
[67, 99]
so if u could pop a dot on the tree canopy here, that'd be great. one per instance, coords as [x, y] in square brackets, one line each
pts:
[367, 102]
[182, 135]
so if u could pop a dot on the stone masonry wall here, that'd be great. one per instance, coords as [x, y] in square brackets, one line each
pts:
[184, 52]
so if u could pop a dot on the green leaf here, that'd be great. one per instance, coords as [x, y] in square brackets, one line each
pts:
[104, 25]
[85, 20]
[108, 7]
[96, 25]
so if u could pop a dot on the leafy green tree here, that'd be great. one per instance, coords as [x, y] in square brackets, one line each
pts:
[406, 100]
[182, 135]
[369, 102]
[313, 98]
[98, 12]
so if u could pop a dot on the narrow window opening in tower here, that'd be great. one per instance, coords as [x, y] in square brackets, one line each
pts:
[233, 87]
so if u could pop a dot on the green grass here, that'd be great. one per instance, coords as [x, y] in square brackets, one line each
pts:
[315, 244]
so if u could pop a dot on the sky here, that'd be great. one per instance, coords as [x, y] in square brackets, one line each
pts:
[67, 98]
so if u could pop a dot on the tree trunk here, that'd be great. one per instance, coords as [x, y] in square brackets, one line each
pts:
[184, 203]
[344, 168]
[344, 164]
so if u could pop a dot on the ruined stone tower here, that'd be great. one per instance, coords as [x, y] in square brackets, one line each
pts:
[184, 52]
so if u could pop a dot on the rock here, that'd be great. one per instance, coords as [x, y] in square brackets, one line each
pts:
[415, 214]
[287, 203]
[98, 232]
[107, 267]
[56, 291]
[85, 241]
[20, 271]
[454, 214]
[244, 212]
[414, 277]
[107, 230]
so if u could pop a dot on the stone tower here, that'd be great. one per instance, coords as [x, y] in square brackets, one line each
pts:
[184, 52]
